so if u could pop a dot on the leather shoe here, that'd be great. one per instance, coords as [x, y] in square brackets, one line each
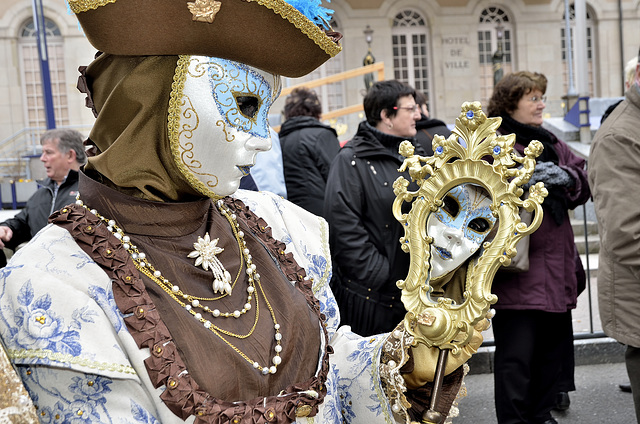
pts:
[562, 401]
[625, 387]
[551, 421]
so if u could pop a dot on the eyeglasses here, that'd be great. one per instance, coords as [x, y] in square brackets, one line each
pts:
[409, 108]
[536, 99]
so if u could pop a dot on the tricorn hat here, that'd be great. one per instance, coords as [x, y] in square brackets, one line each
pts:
[271, 35]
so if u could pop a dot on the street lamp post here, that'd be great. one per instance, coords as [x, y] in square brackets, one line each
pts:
[496, 60]
[368, 58]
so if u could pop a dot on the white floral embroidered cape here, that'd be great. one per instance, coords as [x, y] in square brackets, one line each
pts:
[62, 329]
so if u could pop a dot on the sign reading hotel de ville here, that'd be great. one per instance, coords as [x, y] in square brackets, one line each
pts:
[456, 52]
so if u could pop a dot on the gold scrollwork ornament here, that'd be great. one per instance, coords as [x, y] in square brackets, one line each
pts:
[473, 154]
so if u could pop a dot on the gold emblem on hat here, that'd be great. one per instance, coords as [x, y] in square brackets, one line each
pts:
[204, 10]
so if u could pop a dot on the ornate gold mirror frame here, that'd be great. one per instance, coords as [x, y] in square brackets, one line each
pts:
[472, 154]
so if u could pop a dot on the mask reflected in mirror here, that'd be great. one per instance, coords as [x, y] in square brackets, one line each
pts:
[458, 228]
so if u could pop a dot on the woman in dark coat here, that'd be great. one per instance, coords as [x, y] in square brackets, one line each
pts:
[427, 126]
[308, 147]
[364, 235]
[532, 326]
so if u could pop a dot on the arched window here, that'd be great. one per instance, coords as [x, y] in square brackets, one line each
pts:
[590, 50]
[495, 43]
[410, 51]
[32, 82]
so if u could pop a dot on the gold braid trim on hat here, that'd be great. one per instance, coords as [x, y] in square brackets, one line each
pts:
[279, 7]
[301, 22]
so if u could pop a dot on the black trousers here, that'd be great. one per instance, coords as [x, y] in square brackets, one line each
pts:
[632, 360]
[531, 349]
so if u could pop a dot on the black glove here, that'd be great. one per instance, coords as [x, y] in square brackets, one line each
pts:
[551, 175]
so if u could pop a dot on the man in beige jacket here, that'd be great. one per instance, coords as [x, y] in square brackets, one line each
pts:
[614, 176]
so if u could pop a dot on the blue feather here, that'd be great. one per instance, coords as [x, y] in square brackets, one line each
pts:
[313, 10]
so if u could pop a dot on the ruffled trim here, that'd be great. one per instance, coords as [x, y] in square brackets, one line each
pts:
[165, 366]
[409, 405]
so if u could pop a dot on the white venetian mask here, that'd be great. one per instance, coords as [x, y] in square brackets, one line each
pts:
[221, 122]
[458, 228]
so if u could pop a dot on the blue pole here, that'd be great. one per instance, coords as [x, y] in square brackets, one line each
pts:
[14, 197]
[38, 21]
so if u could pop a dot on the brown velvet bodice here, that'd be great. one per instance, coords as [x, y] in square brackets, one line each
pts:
[165, 232]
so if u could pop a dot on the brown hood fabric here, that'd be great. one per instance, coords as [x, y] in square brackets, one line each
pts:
[131, 94]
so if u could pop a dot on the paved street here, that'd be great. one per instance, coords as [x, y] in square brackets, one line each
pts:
[596, 400]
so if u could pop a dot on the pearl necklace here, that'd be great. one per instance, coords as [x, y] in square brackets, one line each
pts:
[174, 291]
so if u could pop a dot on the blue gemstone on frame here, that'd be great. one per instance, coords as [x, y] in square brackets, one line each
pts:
[439, 150]
[470, 114]
[496, 150]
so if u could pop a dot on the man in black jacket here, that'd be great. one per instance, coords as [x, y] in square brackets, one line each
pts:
[62, 155]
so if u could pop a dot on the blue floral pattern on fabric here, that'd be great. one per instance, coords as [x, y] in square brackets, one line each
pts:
[105, 299]
[141, 415]
[36, 326]
[84, 401]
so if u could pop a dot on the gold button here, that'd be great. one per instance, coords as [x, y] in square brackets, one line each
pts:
[303, 410]
[157, 350]
[270, 415]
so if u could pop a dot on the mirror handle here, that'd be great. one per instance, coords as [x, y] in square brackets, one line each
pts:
[431, 416]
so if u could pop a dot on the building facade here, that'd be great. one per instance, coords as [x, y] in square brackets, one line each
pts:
[449, 49]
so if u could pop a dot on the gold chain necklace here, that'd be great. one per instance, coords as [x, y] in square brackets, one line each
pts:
[144, 266]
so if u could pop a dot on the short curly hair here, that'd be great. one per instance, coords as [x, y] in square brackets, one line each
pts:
[510, 89]
[302, 102]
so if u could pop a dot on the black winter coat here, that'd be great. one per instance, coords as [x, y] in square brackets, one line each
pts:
[35, 215]
[308, 147]
[363, 233]
[427, 128]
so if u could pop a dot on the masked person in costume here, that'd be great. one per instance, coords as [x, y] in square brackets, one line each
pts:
[166, 295]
